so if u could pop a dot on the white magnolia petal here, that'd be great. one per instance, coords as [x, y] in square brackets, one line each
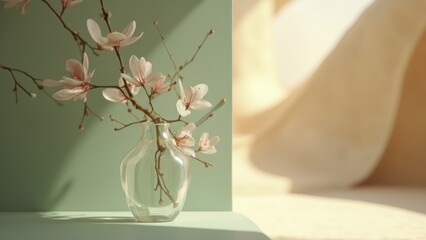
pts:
[90, 75]
[188, 151]
[75, 68]
[71, 82]
[131, 40]
[147, 68]
[113, 95]
[154, 79]
[66, 94]
[203, 139]
[162, 88]
[181, 91]
[189, 127]
[200, 91]
[85, 65]
[214, 140]
[134, 89]
[141, 69]
[187, 141]
[51, 83]
[128, 79]
[116, 38]
[182, 109]
[165, 87]
[82, 96]
[189, 94]
[130, 29]
[201, 105]
[209, 150]
[95, 31]
[134, 66]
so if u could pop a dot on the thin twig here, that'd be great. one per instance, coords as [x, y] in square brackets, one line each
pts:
[18, 85]
[124, 125]
[210, 113]
[165, 47]
[33, 79]
[193, 56]
[86, 112]
[94, 113]
[206, 164]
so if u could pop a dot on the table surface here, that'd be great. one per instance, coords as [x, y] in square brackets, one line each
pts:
[121, 225]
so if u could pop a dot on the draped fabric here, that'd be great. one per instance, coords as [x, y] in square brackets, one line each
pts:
[333, 129]
[330, 122]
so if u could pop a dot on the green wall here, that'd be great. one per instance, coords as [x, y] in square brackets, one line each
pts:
[46, 163]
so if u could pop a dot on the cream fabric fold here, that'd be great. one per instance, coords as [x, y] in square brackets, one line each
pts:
[332, 131]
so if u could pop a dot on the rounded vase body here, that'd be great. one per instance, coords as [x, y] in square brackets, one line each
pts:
[155, 176]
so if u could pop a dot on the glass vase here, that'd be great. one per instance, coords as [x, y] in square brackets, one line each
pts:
[155, 175]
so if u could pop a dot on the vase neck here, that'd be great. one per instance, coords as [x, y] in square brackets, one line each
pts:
[160, 131]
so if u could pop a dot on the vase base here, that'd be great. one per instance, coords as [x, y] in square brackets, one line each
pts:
[154, 219]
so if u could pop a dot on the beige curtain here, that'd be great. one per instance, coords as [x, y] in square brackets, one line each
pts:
[334, 129]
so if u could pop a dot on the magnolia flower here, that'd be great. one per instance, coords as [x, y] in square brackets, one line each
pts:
[140, 69]
[18, 4]
[184, 140]
[157, 84]
[76, 86]
[114, 39]
[70, 3]
[117, 95]
[192, 97]
[207, 145]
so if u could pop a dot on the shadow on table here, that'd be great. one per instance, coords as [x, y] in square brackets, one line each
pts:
[106, 227]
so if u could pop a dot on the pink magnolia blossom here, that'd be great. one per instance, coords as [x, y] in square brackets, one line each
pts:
[192, 97]
[207, 145]
[157, 84]
[184, 140]
[76, 86]
[140, 69]
[114, 39]
[70, 3]
[117, 95]
[17, 4]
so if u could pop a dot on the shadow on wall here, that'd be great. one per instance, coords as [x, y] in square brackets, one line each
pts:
[36, 136]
